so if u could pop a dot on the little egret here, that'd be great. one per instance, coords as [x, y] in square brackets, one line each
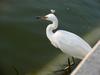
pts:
[68, 42]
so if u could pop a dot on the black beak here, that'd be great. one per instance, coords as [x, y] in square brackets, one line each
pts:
[41, 17]
[38, 17]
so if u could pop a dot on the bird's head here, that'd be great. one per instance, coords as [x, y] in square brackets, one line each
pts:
[50, 17]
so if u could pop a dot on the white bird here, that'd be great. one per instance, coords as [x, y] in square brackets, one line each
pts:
[68, 42]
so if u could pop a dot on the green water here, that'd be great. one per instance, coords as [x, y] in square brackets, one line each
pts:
[23, 42]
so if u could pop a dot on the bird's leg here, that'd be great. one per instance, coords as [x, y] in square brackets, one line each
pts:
[73, 60]
[69, 66]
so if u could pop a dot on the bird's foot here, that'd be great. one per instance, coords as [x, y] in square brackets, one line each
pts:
[70, 65]
[69, 68]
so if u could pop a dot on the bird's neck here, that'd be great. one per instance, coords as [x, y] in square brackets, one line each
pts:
[50, 28]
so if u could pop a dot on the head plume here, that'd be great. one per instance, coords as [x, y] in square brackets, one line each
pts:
[52, 11]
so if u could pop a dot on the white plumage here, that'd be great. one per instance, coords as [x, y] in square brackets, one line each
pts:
[71, 44]
[68, 42]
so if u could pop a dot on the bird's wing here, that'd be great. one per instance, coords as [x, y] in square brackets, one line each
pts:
[71, 43]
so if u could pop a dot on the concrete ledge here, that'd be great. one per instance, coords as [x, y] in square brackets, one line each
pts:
[90, 65]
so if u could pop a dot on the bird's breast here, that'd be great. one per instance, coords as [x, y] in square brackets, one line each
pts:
[53, 42]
